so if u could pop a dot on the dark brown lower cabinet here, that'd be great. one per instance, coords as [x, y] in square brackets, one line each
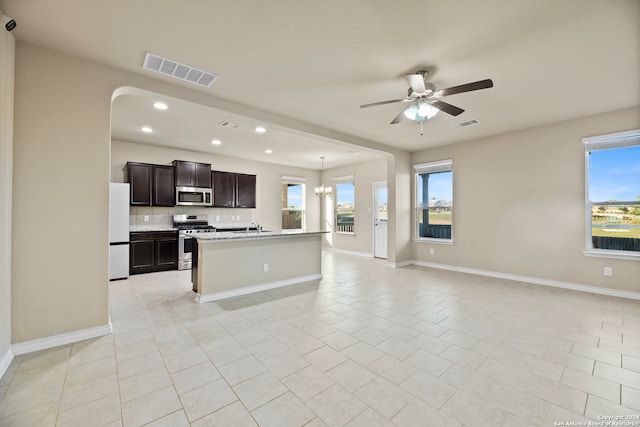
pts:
[151, 251]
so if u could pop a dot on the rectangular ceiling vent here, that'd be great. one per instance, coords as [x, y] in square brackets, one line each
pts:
[467, 123]
[226, 123]
[180, 71]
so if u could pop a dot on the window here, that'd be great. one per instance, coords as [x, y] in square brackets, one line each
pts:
[345, 204]
[434, 201]
[612, 208]
[293, 217]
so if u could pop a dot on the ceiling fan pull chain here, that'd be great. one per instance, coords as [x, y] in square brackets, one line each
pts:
[420, 128]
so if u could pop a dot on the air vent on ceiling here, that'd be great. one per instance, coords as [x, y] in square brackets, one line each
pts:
[467, 123]
[179, 71]
[226, 123]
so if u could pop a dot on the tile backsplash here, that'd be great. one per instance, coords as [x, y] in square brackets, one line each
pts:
[162, 217]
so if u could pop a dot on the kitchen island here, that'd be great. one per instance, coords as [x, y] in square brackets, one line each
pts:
[228, 264]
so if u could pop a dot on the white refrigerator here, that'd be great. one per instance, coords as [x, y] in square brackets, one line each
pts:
[118, 231]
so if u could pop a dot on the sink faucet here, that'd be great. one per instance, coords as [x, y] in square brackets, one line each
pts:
[257, 226]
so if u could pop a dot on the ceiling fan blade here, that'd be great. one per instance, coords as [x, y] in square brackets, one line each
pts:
[398, 118]
[482, 84]
[447, 108]
[391, 101]
[417, 82]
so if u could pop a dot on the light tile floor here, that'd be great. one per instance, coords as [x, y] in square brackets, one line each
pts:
[368, 345]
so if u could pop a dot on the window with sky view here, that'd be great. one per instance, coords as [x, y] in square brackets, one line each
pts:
[292, 206]
[345, 212]
[614, 198]
[434, 200]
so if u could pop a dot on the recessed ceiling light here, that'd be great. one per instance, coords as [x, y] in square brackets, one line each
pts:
[160, 105]
[261, 129]
[268, 151]
[216, 142]
[146, 129]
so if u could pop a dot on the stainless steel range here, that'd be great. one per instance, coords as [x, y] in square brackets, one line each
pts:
[189, 226]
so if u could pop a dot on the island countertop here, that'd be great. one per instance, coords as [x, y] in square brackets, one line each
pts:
[244, 235]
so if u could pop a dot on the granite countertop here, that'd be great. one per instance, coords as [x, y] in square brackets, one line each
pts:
[140, 228]
[238, 235]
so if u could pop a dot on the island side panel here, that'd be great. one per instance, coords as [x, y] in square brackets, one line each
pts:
[234, 264]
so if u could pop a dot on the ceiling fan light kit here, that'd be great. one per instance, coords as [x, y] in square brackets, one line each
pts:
[420, 112]
[425, 98]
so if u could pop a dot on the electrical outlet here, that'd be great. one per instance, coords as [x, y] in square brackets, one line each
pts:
[432, 251]
[608, 271]
[146, 218]
[266, 267]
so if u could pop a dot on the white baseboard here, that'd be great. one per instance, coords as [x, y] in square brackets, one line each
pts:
[348, 252]
[62, 339]
[533, 280]
[255, 288]
[399, 264]
[6, 361]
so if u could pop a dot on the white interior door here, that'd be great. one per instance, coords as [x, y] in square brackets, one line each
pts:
[380, 219]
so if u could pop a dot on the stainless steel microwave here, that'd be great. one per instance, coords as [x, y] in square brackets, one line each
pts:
[194, 196]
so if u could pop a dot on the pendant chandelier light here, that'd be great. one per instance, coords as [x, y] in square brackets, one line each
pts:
[322, 190]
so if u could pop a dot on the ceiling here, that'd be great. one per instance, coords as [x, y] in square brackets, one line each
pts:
[317, 62]
[190, 126]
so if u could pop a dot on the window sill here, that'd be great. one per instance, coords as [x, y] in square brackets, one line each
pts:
[350, 233]
[437, 241]
[612, 254]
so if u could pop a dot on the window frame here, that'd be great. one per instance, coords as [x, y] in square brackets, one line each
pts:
[296, 181]
[439, 166]
[609, 141]
[348, 179]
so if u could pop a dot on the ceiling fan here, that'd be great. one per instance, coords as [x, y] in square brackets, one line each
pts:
[424, 98]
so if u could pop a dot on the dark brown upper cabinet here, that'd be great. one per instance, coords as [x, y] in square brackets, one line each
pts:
[140, 178]
[192, 174]
[151, 185]
[224, 184]
[164, 186]
[246, 191]
[233, 190]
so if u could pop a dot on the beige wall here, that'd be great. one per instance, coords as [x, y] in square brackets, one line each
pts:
[399, 173]
[519, 204]
[268, 209]
[60, 195]
[7, 52]
[365, 174]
